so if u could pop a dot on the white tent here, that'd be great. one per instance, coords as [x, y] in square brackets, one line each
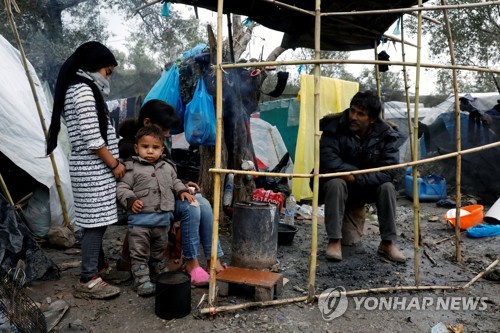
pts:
[21, 135]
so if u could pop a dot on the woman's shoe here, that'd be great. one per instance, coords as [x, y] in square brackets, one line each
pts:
[199, 277]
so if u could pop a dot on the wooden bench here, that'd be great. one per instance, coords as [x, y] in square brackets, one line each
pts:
[267, 284]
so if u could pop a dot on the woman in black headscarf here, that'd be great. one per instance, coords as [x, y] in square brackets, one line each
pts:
[81, 86]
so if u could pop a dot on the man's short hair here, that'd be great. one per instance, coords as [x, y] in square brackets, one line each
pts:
[368, 100]
[151, 131]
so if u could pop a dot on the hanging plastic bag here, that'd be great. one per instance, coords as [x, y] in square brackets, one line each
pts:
[199, 118]
[167, 90]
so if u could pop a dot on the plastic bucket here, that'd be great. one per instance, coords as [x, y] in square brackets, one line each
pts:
[469, 216]
[173, 295]
[255, 235]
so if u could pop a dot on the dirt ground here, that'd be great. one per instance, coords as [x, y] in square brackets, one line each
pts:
[361, 268]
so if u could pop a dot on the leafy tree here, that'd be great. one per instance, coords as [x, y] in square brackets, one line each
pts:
[391, 84]
[476, 40]
[46, 40]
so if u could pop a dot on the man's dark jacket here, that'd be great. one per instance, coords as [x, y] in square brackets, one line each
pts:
[342, 150]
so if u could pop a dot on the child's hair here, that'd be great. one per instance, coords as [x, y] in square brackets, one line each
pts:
[151, 131]
[159, 113]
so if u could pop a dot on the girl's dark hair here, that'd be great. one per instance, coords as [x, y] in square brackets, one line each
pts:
[150, 131]
[368, 100]
[159, 113]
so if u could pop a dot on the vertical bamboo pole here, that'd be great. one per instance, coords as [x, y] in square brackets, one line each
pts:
[218, 157]
[377, 72]
[317, 86]
[458, 253]
[407, 88]
[57, 180]
[416, 202]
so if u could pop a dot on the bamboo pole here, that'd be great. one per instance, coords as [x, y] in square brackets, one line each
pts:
[407, 88]
[360, 62]
[6, 191]
[218, 158]
[216, 309]
[57, 180]
[428, 18]
[480, 275]
[358, 172]
[317, 103]
[399, 40]
[138, 9]
[458, 254]
[285, 5]
[416, 201]
[413, 9]
[377, 71]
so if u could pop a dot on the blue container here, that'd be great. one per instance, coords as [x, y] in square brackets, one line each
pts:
[430, 188]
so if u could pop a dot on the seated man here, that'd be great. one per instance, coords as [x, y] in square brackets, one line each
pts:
[353, 140]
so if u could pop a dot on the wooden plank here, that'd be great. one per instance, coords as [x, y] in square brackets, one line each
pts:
[249, 277]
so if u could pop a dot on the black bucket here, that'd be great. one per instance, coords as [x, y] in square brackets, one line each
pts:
[255, 235]
[173, 295]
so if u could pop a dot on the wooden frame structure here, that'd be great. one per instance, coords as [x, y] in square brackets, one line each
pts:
[419, 9]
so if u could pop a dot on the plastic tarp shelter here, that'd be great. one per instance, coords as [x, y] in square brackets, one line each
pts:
[284, 114]
[341, 33]
[479, 169]
[22, 138]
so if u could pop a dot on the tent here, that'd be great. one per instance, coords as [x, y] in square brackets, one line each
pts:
[284, 114]
[479, 169]
[397, 113]
[22, 139]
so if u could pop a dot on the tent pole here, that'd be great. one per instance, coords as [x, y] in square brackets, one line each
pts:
[314, 222]
[416, 201]
[230, 37]
[6, 191]
[407, 88]
[377, 71]
[218, 157]
[457, 134]
[40, 114]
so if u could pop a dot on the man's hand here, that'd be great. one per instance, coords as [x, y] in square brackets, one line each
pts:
[137, 206]
[349, 178]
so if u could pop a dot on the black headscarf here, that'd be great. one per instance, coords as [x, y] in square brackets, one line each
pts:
[90, 57]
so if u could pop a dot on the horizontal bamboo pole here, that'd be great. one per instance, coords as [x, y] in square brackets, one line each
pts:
[281, 4]
[358, 172]
[216, 309]
[413, 9]
[356, 62]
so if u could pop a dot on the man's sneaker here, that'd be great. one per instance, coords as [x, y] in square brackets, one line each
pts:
[96, 288]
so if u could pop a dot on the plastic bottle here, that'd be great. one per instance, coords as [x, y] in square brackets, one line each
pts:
[227, 198]
[290, 207]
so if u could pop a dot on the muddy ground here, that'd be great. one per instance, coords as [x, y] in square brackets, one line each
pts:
[361, 268]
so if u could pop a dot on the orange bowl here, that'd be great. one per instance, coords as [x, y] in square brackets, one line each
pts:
[470, 216]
